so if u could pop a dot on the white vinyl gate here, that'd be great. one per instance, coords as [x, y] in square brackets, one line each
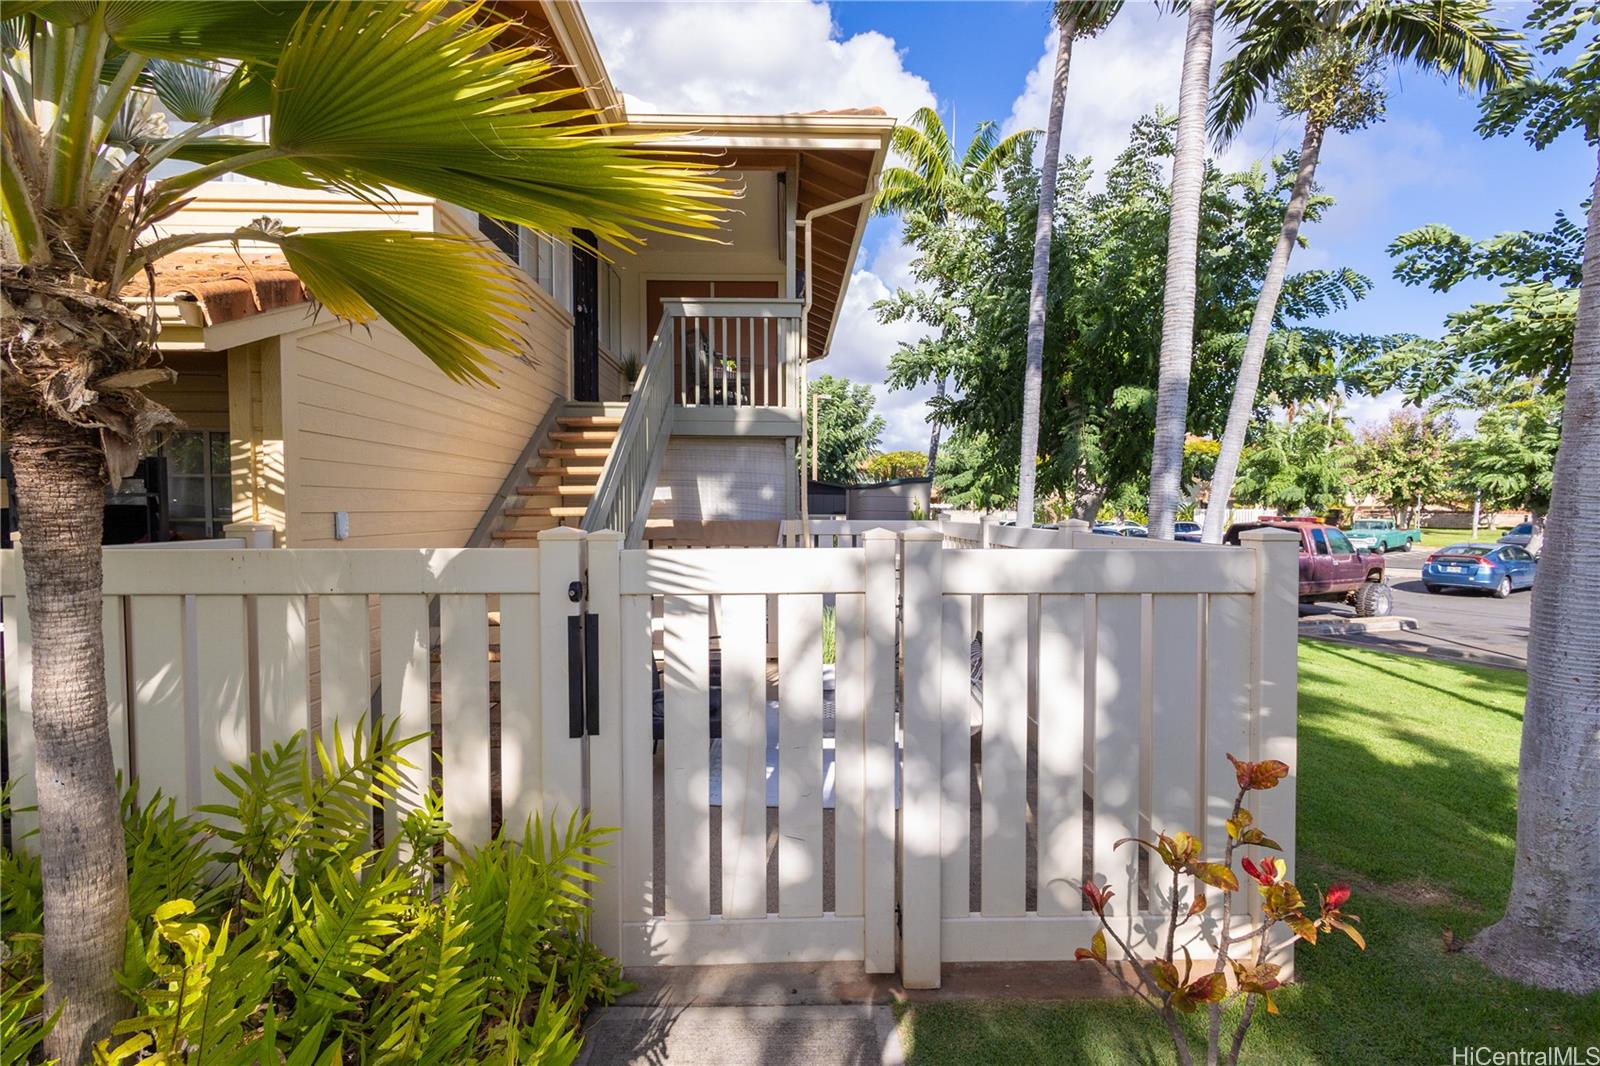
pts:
[992, 722]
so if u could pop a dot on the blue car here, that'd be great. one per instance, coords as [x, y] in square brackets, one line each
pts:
[1492, 568]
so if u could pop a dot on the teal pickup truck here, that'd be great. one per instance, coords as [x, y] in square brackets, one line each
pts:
[1381, 535]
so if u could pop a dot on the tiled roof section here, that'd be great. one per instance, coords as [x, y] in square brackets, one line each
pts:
[876, 112]
[225, 286]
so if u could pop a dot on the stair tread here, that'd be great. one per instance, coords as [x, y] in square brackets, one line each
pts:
[589, 421]
[562, 490]
[574, 453]
[591, 436]
[559, 470]
[545, 512]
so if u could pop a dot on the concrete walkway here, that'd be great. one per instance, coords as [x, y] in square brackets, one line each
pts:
[800, 1014]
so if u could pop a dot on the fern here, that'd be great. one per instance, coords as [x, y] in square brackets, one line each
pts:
[270, 929]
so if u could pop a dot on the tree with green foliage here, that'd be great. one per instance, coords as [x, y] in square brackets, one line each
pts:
[938, 189]
[1403, 461]
[1103, 341]
[359, 98]
[1552, 920]
[1298, 467]
[1325, 60]
[1074, 19]
[887, 466]
[1509, 461]
[848, 430]
[1525, 333]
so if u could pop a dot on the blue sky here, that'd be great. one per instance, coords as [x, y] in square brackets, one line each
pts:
[992, 60]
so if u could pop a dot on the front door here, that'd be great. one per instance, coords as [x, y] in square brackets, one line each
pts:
[585, 319]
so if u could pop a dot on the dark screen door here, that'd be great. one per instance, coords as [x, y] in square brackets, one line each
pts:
[585, 319]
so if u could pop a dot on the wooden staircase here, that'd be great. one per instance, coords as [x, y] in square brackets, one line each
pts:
[560, 483]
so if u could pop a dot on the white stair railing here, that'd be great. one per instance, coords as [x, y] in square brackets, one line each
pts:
[625, 477]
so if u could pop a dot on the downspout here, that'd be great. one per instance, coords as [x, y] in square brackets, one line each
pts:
[805, 333]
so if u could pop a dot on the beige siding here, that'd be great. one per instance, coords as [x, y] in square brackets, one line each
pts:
[199, 396]
[414, 459]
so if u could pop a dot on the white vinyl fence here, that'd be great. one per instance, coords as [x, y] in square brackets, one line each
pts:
[991, 722]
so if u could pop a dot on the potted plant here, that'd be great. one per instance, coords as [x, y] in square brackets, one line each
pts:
[629, 369]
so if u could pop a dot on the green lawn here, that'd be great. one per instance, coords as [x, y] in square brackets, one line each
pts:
[1407, 774]
[1443, 538]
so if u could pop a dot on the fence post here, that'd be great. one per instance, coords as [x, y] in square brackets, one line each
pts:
[1273, 679]
[605, 747]
[922, 773]
[560, 573]
[878, 853]
[1073, 531]
[18, 638]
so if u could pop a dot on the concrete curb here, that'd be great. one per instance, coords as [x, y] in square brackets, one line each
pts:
[1327, 626]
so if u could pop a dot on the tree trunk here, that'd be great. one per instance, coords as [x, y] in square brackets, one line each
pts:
[1552, 920]
[1477, 512]
[1255, 345]
[1043, 231]
[1183, 238]
[933, 436]
[60, 504]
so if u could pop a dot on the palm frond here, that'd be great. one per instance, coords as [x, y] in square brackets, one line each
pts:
[1274, 33]
[451, 296]
[247, 30]
[189, 91]
[1459, 37]
[418, 97]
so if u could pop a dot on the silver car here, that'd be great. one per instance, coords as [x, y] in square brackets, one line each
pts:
[1521, 535]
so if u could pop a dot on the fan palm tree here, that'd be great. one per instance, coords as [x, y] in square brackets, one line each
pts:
[1183, 241]
[936, 185]
[1326, 60]
[429, 97]
[1074, 19]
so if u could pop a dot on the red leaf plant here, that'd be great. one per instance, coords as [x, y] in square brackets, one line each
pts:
[1169, 985]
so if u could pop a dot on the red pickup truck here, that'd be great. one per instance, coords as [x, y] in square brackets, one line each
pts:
[1331, 568]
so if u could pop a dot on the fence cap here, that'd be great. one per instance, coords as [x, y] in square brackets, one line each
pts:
[879, 533]
[561, 533]
[922, 534]
[1271, 535]
[603, 536]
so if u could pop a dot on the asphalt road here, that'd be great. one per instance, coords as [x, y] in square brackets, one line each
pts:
[1456, 625]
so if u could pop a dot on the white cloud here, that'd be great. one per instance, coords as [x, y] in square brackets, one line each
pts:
[1124, 73]
[720, 58]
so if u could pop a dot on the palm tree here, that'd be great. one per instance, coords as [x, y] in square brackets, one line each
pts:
[1183, 240]
[1074, 19]
[1326, 59]
[936, 185]
[360, 97]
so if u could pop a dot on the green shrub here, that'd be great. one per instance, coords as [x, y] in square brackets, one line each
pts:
[272, 928]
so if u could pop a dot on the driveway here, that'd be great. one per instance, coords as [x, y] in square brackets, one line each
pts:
[1455, 625]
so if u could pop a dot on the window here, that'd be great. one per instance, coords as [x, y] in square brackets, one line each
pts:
[1320, 542]
[503, 234]
[1338, 543]
[199, 492]
[548, 262]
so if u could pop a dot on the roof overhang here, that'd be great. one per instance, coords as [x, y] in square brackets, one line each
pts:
[837, 156]
[558, 26]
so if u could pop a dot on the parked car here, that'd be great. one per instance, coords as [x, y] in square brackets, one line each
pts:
[1492, 568]
[1182, 528]
[1521, 535]
[1331, 568]
[1121, 528]
[1382, 535]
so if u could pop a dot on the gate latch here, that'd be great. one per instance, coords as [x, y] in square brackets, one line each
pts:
[583, 674]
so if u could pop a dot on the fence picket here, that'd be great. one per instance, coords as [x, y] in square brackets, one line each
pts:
[959, 705]
[403, 653]
[800, 756]
[686, 732]
[849, 752]
[345, 651]
[1118, 655]
[222, 679]
[1062, 714]
[113, 630]
[742, 624]
[922, 772]
[521, 737]
[464, 715]
[156, 670]
[1005, 754]
[282, 670]
[636, 867]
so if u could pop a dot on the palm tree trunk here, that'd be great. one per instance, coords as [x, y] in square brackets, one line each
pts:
[1552, 921]
[1043, 231]
[60, 503]
[1255, 345]
[933, 436]
[1183, 239]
